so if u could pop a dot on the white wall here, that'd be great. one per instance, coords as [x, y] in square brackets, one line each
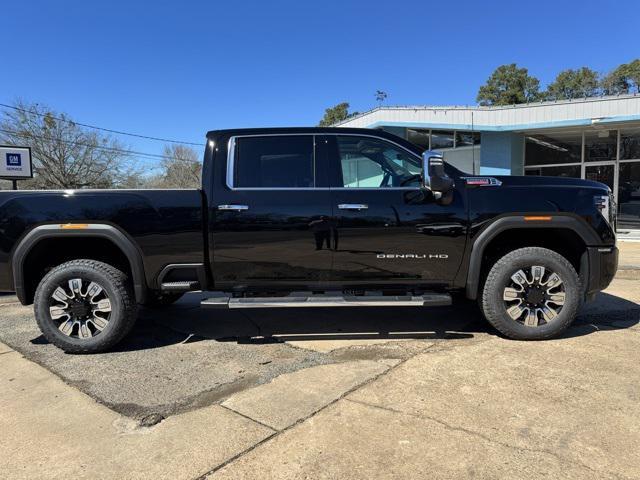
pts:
[534, 115]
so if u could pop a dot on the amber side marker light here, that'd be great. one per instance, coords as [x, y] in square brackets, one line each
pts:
[537, 218]
[74, 226]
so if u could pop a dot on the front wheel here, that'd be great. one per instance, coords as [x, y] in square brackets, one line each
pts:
[84, 306]
[531, 293]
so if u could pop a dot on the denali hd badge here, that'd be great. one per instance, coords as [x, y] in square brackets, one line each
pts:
[431, 256]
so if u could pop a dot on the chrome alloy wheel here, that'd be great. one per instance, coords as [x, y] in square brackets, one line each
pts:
[534, 296]
[81, 307]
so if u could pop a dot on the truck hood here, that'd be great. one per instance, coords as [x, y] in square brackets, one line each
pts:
[536, 181]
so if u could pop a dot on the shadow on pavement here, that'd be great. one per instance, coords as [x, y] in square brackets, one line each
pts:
[607, 312]
[262, 326]
[185, 323]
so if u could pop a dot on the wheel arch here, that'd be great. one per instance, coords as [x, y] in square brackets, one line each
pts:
[571, 225]
[43, 233]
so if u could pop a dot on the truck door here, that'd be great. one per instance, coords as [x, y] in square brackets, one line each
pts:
[388, 229]
[271, 212]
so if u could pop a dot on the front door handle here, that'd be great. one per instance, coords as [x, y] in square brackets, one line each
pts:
[353, 206]
[233, 208]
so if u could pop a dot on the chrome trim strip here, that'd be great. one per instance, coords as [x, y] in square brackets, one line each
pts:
[326, 188]
[233, 208]
[231, 153]
[353, 206]
[329, 301]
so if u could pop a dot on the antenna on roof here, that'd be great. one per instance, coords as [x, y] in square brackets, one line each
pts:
[381, 97]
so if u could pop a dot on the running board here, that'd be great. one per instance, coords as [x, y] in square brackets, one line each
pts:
[427, 300]
[185, 286]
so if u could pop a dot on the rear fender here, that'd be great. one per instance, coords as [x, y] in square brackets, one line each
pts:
[109, 232]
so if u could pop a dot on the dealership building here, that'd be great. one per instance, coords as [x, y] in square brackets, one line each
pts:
[593, 138]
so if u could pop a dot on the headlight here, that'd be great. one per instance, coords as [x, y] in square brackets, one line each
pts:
[603, 204]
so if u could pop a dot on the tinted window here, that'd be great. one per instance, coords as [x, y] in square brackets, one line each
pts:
[441, 139]
[466, 139]
[370, 162]
[629, 195]
[274, 162]
[630, 144]
[419, 137]
[600, 145]
[553, 148]
[565, 171]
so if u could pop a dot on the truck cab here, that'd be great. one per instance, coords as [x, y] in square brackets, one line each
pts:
[317, 209]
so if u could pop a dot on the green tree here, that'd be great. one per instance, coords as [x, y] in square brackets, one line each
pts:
[509, 85]
[336, 114]
[623, 79]
[570, 83]
[615, 82]
[633, 75]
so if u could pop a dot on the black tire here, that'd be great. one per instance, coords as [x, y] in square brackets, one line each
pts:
[494, 307]
[115, 287]
[156, 299]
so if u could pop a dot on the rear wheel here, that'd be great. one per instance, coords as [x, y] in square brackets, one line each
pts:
[84, 306]
[531, 294]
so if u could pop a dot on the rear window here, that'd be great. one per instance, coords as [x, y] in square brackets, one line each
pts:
[274, 162]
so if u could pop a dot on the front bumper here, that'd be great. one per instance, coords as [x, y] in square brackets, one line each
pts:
[603, 264]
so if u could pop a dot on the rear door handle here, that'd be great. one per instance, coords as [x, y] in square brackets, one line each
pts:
[353, 206]
[233, 208]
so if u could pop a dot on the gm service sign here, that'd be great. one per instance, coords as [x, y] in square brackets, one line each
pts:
[15, 162]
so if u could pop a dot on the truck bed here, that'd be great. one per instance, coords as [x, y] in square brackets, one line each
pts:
[165, 225]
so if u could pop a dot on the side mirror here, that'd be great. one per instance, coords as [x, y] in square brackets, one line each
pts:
[434, 177]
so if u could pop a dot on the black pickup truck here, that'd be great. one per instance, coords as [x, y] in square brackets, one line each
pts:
[310, 217]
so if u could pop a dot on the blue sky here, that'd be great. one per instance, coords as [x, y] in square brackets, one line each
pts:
[178, 69]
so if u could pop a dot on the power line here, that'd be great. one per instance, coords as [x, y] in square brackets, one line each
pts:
[118, 132]
[89, 145]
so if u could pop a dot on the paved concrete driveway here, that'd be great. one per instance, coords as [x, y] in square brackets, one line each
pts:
[363, 393]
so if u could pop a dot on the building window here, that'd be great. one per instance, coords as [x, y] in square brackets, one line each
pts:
[630, 144]
[441, 139]
[419, 137]
[459, 148]
[550, 149]
[563, 171]
[467, 139]
[629, 195]
[601, 173]
[600, 145]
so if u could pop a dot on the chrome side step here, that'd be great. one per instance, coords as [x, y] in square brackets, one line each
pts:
[431, 300]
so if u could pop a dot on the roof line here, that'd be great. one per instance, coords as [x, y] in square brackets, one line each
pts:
[480, 108]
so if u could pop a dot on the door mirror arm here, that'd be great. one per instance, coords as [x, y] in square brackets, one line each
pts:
[434, 177]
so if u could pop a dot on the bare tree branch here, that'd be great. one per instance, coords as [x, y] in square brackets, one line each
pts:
[181, 168]
[64, 155]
